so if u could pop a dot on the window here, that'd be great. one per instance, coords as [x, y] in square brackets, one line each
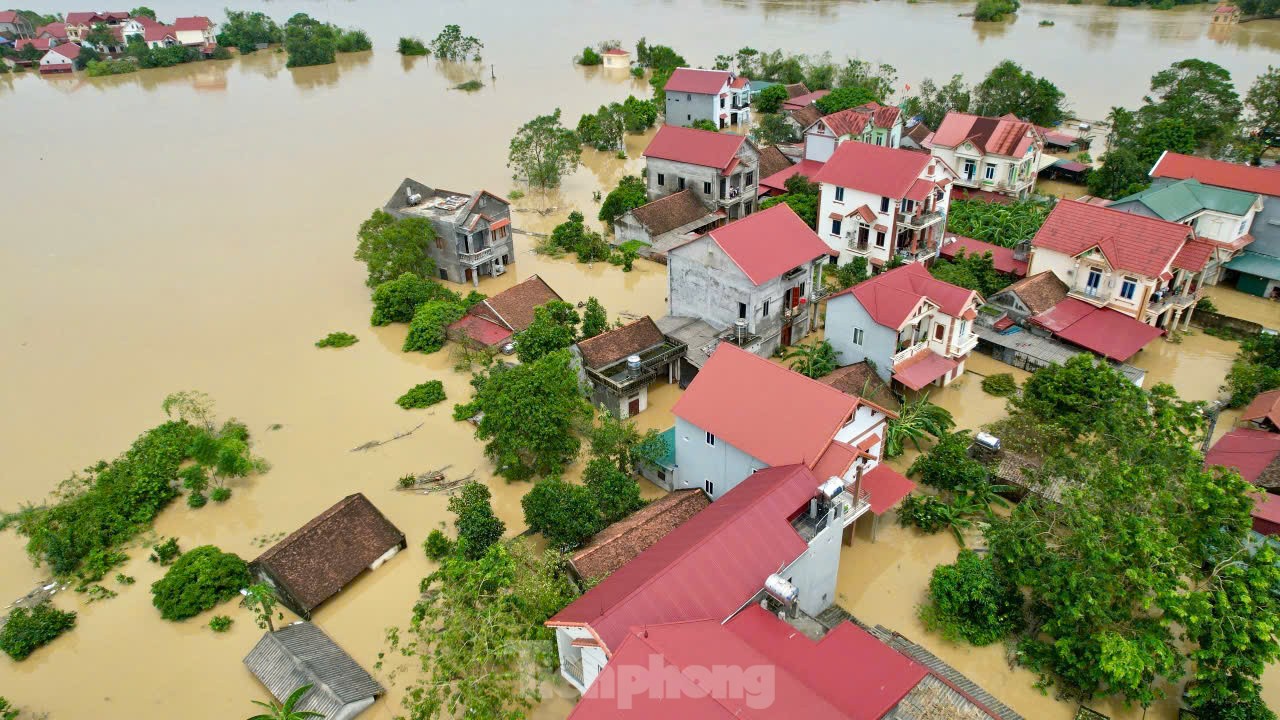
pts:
[721, 102]
[908, 205]
[680, 183]
[969, 169]
[662, 179]
[884, 204]
[444, 274]
[711, 439]
[439, 243]
[1092, 283]
[688, 117]
[857, 336]
[706, 188]
[800, 290]
[1128, 288]
[1240, 230]
[747, 207]
[709, 486]
[879, 139]
[688, 96]
[742, 311]
[1012, 174]
[879, 239]
[764, 309]
[835, 227]
[751, 177]
[964, 327]
[839, 194]
[990, 172]
[939, 332]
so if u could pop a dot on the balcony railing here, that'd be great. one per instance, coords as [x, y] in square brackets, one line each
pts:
[620, 379]
[855, 509]
[793, 315]
[906, 354]
[966, 345]
[572, 667]
[731, 195]
[740, 103]
[861, 248]
[476, 258]
[1176, 302]
[922, 253]
[918, 219]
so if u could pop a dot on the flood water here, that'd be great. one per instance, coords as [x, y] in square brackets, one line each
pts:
[192, 228]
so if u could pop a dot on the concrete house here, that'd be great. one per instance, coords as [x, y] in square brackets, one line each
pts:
[318, 560]
[621, 364]
[15, 25]
[1256, 270]
[196, 31]
[751, 281]
[999, 156]
[1143, 267]
[776, 522]
[302, 654]
[60, 59]
[666, 222]
[56, 31]
[722, 169]
[1220, 216]
[872, 123]
[717, 96]
[915, 329]
[616, 59]
[78, 24]
[473, 231]
[878, 202]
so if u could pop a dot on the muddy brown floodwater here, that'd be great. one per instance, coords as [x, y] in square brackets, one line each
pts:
[193, 228]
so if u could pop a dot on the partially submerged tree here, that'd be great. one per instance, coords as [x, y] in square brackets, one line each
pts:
[451, 44]
[261, 600]
[917, 419]
[630, 194]
[543, 151]
[594, 319]
[564, 513]
[554, 327]
[1009, 88]
[391, 247]
[478, 527]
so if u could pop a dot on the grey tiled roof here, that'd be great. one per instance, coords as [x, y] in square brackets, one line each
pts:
[302, 654]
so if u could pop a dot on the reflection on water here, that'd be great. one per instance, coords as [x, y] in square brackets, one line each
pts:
[316, 76]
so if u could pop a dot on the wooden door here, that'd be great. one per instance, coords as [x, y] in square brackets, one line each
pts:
[468, 273]
[786, 335]
[633, 407]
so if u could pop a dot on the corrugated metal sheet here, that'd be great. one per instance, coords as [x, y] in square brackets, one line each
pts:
[302, 654]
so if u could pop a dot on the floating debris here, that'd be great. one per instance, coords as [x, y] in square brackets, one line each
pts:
[433, 481]
[375, 443]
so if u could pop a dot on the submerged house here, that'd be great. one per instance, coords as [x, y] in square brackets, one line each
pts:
[721, 169]
[491, 323]
[992, 157]
[622, 541]
[717, 96]
[620, 365]
[60, 59]
[473, 232]
[302, 654]
[318, 560]
[666, 222]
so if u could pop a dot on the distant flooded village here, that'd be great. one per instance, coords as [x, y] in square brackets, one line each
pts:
[417, 362]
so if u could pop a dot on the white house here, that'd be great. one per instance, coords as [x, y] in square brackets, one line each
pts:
[872, 123]
[915, 329]
[196, 31]
[60, 59]
[880, 201]
[717, 96]
[994, 155]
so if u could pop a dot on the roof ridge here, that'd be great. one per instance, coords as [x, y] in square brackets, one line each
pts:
[310, 525]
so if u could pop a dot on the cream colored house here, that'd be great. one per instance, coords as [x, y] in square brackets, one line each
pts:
[995, 155]
[616, 58]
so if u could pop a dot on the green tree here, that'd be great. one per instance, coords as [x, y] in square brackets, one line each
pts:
[594, 319]
[309, 41]
[478, 527]
[801, 196]
[881, 80]
[770, 99]
[970, 600]
[1122, 173]
[613, 492]
[412, 46]
[554, 327]
[247, 30]
[947, 465]
[397, 300]
[933, 103]
[543, 151]
[623, 444]
[844, 98]
[353, 40]
[428, 331]
[630, 194]
[530, 414]
[849, 274]
[143, 11]
[451, 44]
[639, 115]
[1255, 370]
[288, 710]
[1200, 94]
[197, 581]
[975, 272]
[813, 360]
[773, 129]
[1263, 101]
[917, 419]
[1008, 88]
[994, 10]
[589, 57]
[564, 513]
[261, 600]
[100, 36]
[391, 247]
[8, 711]
[27, 629]
[704, 124]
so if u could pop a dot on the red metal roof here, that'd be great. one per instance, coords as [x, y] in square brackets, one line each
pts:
[1265, 405]
[1001, 257]
[836, 461]
[1194, 255]
[615, 51]
[480, 330]
[157, 33]
[801, 101]
[56, 29]
[769, 243]
[39, 43]
[1248, 450]
[1006, 135]
[884, 171]
[1218, 173]
[8, 16]
[1266, 507]
[696, 147]
[924, 368]
[778, 180]
[1131, 242]
[197, 22]
[70, 51]
[770, 412]
[703, 82]
[705, 568]
[887, 487]
[1104, 331]
[890, 296]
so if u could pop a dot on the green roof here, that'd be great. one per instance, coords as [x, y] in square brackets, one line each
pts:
[1252, 263]
[1177, 201]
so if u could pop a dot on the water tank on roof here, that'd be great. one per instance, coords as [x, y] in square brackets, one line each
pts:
[831, 488]
[780, 589]
[634, 364]
[987, 441]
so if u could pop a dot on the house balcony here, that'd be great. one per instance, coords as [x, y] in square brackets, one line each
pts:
[919, 255]
[740, 104]
[859, 248]
[621, 380]
[571, 669]
[965, 346]
[731, 196]
[795, 315]
[919, 220]
[1170, 302]
[906, 354]
[849, 511]
[477, 258]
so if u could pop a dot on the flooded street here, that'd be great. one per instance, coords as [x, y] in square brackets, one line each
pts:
[192, 228]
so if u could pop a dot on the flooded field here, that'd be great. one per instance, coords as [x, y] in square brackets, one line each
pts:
[193, 228]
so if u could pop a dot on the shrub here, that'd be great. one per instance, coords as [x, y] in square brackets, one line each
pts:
[197, 500]
[924, 512]
[220, 53]
[30, 628]
[590, 57]
[564, 513]
[396, 300]
[515, 195]
[427, 330]
[199, 580]
[337, 340]
[125, 579]
[1000, 384]
[422, 395]
[353, 41]
[969, 600]
[220, 623]
[994, 10]
[99, 68]
[412, 46]
[438, 546]
[704, 125]
[1206, 304]
[220, 494]
[637, 72]
[165, 552]
[469, 86]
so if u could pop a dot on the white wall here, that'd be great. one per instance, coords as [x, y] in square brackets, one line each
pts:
[697, 462]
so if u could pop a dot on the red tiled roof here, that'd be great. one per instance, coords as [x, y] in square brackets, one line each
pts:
[56, 29]
[614, 345]
[480, 330]
[615, 51]
[866, 213]
[706, 568]
[696, 147]
[887, 487]
[82, 18]
[738, 83]
[39, 43]
[803, 414]
[882, 116]
[1194, 255]
[923, 368]
[1265, 405]
[70, 51]
[1006, 135]
[1104, 331]
[769, 243]
[1001, 257]
[884, 171]
[1266, 507]
[1130, 241]
[919, 190]
[197, 22]
[1247, 450]
[703, 82]
[849, 121]
[801, 101]
[622, 541]
[513, 308]
[1218, 173]
[778, 180]
[156, 33]
[890, 296]
[8, 16]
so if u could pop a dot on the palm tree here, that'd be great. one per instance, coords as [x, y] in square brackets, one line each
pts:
[287, 711]
[916, 419]
[814, 360]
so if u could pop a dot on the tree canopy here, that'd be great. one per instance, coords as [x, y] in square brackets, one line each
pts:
[246, 30]
[1009, 88]
[771, 98]
[844, 98]
[801, 195]
[390, 247]
[451, 44]
[975, 272]
[1198, 93]
[630, 194]
[543, 151]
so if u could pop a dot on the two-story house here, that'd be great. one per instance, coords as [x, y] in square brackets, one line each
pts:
[752, 281]
[1143, 267]
[1220, 216]
[78, 24]
[915, 329]
[55, 32]
[16, 25]
[717, 96]
[878, 202]
[992, 155]
[722, 169]
[1255, 270]
[473, 232]
[196, 31]
[872, 123]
